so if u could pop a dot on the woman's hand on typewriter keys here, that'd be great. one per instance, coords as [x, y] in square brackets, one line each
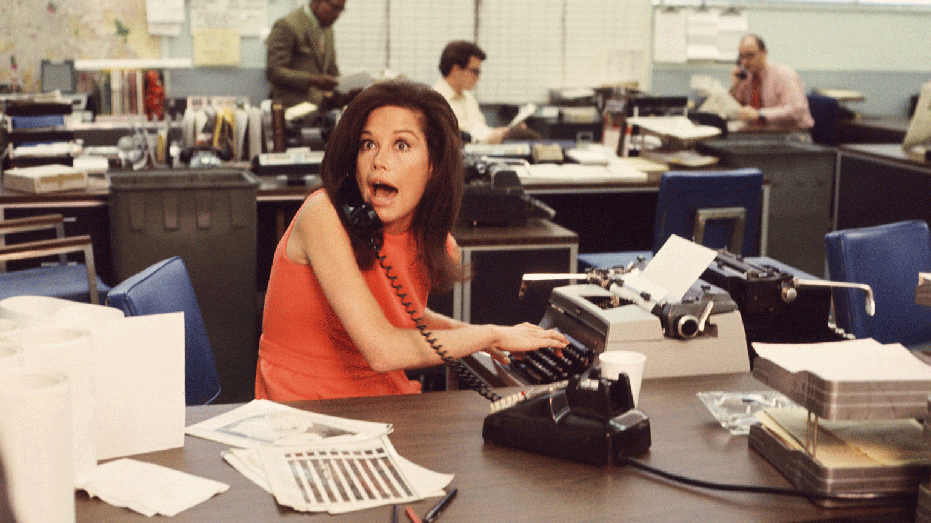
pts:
[524, 338]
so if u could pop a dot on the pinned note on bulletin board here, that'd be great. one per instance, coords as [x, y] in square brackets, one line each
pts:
[682, 34]
[218, 47]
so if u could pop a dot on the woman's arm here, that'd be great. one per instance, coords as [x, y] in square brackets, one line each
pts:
[318, 238]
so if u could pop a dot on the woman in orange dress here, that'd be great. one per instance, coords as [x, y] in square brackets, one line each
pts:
[345, 311]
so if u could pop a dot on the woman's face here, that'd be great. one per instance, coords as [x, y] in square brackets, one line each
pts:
[393, 165]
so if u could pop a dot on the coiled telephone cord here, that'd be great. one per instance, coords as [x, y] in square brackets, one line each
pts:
[465, 375]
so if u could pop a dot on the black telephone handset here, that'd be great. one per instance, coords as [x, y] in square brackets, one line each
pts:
[361, 217]
[743, 72]
[365, 224]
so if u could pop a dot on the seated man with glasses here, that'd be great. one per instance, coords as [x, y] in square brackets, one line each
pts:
[768, 92]
[301, 60]
[461, 65]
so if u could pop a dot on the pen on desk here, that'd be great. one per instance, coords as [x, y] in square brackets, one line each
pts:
[411, 515]
[394, 514]
[440, 506]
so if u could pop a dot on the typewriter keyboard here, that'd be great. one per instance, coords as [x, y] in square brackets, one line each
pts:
[545, 366]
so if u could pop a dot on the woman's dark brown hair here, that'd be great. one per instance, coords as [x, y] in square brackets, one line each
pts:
[438, 209]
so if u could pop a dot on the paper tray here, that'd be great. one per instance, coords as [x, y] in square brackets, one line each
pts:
[846, 400]
[807, 474]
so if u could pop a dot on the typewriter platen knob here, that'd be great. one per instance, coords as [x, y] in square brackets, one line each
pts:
[789, 293]
[687, 326]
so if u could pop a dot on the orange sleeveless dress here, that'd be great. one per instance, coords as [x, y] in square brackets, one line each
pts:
[306, 353]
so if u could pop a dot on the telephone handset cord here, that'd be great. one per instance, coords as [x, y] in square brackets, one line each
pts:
[465, 375]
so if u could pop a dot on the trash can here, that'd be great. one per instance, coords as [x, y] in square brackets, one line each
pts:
[208, 218]
[801, 180]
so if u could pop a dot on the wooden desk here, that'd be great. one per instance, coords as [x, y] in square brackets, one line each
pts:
[877, 184]
[442, 431]
[499, 257]
[872, 129]
[85, 212]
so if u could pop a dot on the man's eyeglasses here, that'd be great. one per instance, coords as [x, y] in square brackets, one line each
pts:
[474, 70]
[747, 56]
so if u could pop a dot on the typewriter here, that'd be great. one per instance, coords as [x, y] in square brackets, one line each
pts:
[779, 304]
[615, 309]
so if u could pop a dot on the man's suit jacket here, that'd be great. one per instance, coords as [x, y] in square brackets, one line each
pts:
[298, 47]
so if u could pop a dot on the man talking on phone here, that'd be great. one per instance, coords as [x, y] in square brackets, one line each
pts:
[768, 92]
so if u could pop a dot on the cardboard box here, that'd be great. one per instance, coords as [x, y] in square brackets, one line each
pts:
[44, 178]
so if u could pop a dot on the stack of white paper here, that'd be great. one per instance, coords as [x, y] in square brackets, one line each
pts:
[343, 465]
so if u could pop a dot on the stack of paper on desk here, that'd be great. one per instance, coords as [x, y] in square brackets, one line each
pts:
[344, 465]
[847, 380]
[852, 360]
[678, 127]
[617, 170]
[852, 444]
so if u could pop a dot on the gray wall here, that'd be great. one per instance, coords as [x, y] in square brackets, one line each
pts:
[880, 52]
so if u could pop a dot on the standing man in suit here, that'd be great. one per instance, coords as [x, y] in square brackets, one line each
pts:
[301, 60]
[767, 91]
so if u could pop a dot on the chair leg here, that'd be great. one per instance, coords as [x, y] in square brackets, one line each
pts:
[92, 293]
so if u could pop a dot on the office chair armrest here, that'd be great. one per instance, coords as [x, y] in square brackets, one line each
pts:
[41, 248]
[33, 223]
[57, 247]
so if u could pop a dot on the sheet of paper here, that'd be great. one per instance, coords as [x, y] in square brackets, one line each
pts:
[346, 477]
[852, 443]
[263, 422]
[354, 80]
[164, 11]
[216, 47]
[147, 488]
[525, 112]
[702, 34]
[669, 43]
[139, 377]
[857, 360]
[677, 265]
[679, 127]
[732, 26]
[722, 104]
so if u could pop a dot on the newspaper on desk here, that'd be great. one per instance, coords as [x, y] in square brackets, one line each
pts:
[317, 463]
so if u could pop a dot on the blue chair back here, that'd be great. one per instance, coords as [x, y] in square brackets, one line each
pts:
[824, 111]
[888, 258]
[682, 193]
[163, 288]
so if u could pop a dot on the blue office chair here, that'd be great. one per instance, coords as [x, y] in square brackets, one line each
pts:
[56, 277]
[163, 288]
[825, 111]
[718, 209]
[888, 258]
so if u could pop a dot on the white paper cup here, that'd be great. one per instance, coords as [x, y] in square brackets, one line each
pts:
[7, 326]
[31, 311]
[35, 442]
[11, 356]
[70, 352]
[84, 315]
[614, 362]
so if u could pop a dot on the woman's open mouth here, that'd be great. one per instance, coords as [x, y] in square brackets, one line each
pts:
[382, 193]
